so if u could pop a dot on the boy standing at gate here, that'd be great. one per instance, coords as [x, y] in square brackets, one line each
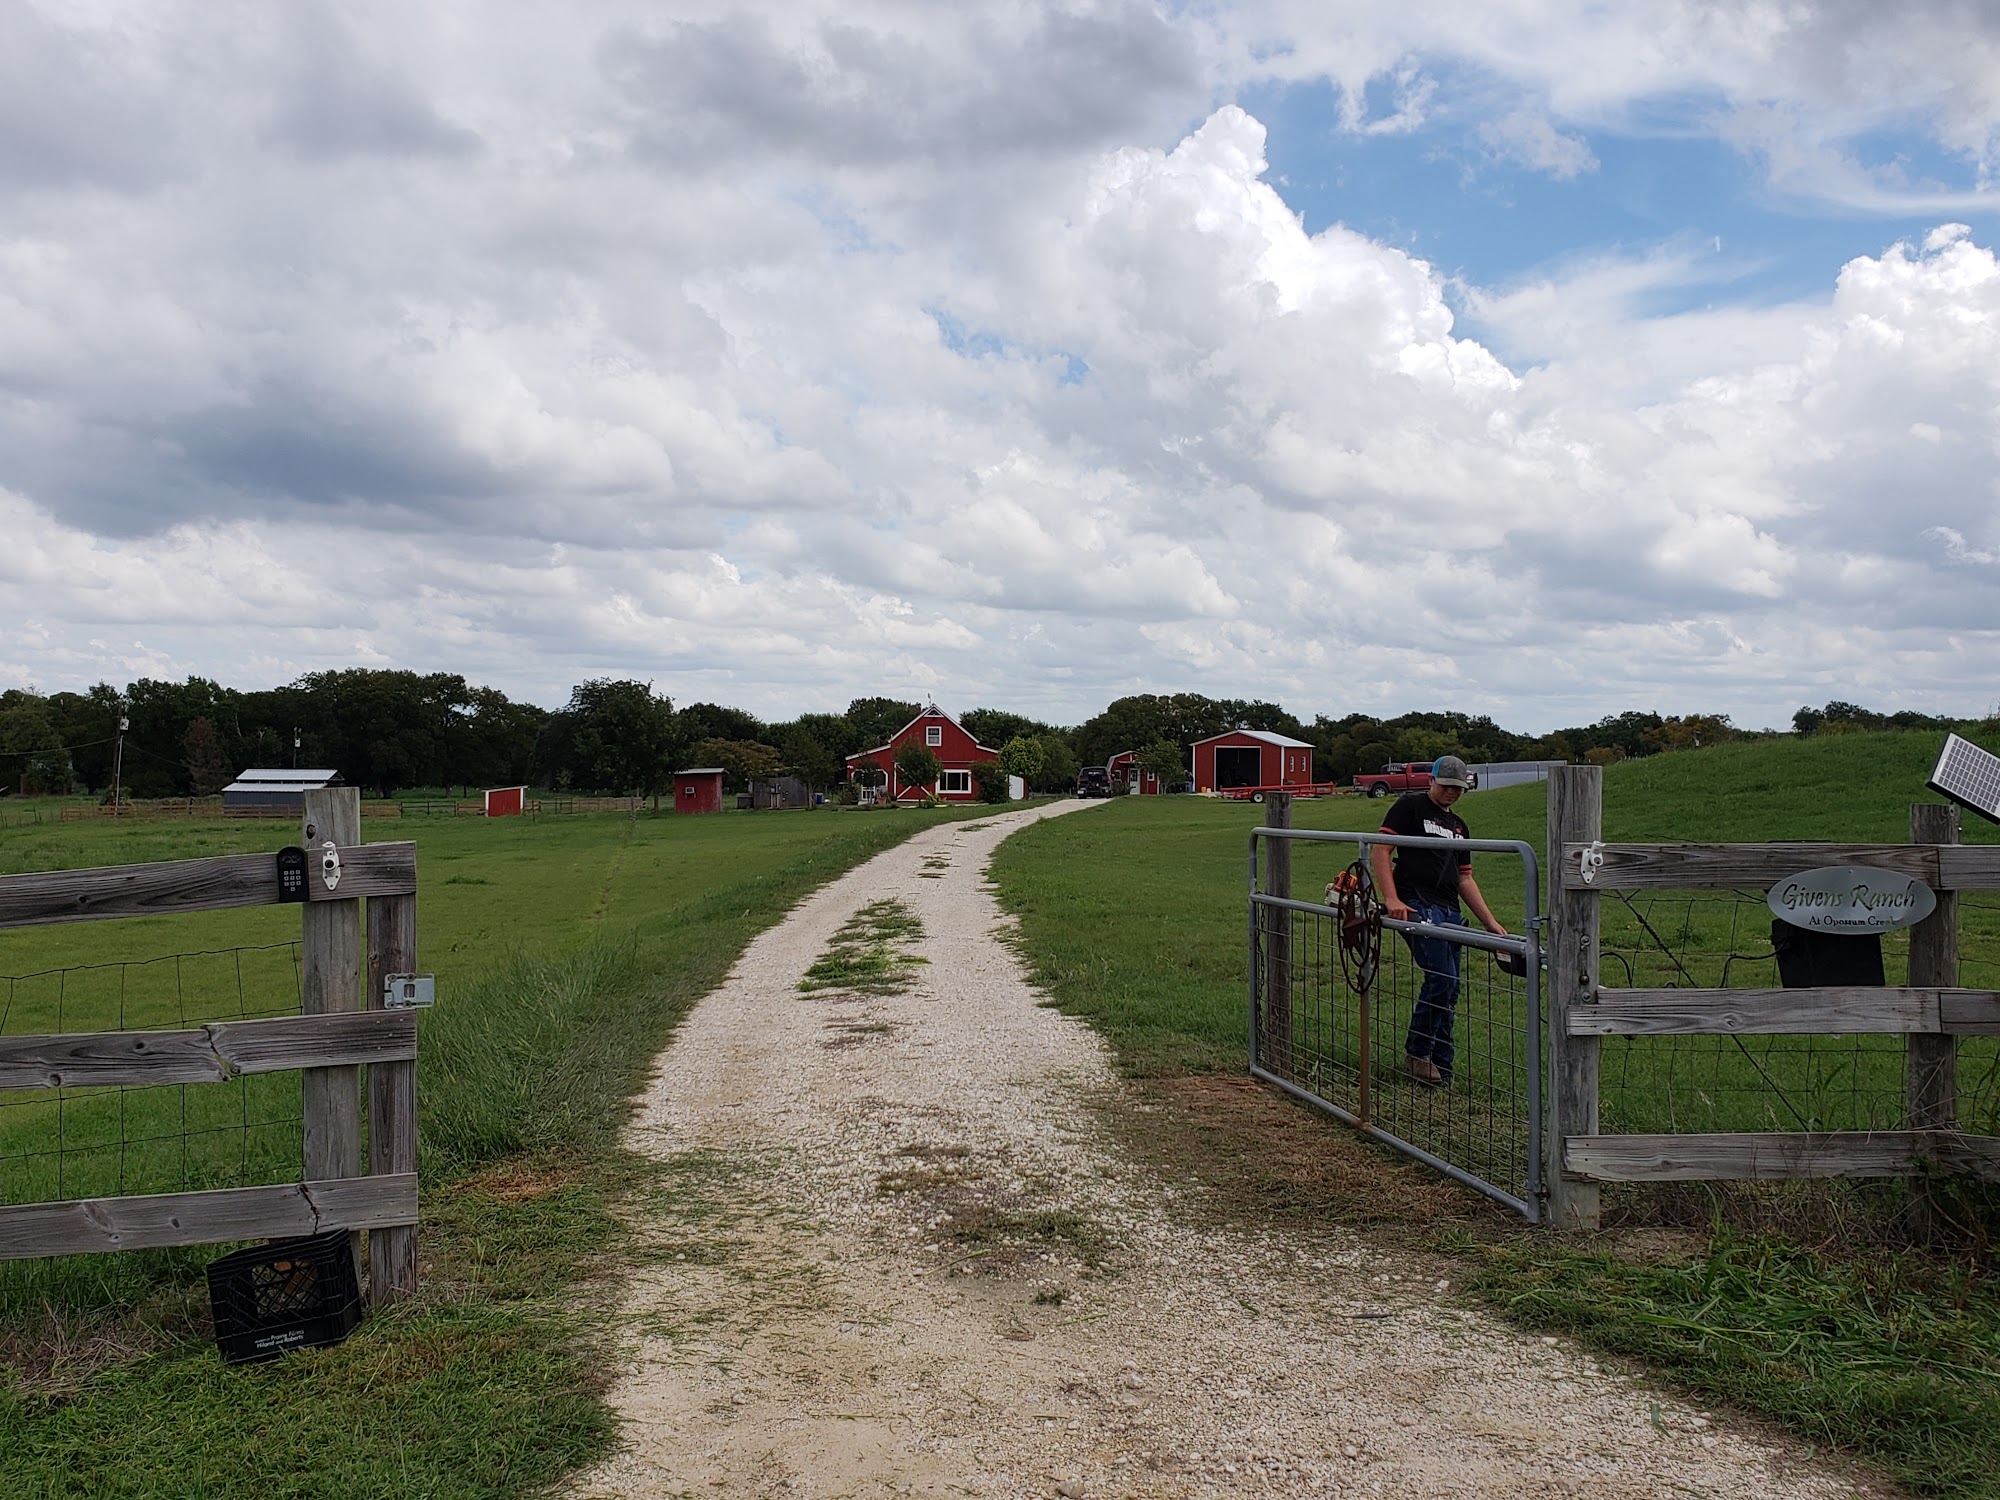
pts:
[1426, 886]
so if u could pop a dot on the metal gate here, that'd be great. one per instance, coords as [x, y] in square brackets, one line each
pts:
[1338, 1042]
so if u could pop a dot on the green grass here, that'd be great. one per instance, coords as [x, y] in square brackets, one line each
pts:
[1134, 919]
[565, 951]
[866, 957]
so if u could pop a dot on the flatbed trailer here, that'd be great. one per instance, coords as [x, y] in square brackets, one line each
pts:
[1297, 789]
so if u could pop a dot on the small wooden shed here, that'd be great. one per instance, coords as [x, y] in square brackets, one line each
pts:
[1127, 773]
[698, 790]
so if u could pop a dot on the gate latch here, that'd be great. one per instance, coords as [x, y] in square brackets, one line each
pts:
[409, 991]
[1591, 861]
[329, 864]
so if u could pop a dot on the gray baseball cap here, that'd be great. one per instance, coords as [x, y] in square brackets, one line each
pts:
[1451, 771]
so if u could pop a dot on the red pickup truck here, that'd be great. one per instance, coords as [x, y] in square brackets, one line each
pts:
[1398, 776]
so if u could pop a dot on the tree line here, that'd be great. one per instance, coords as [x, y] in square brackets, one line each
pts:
[393, 731]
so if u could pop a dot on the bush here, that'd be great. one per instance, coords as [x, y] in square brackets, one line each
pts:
[990, 779]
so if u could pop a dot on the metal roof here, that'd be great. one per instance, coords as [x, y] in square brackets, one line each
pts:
[268, 780]
[703, 771]
[1269, 737]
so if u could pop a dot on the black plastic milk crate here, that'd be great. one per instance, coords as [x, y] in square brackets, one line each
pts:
[290, 1294]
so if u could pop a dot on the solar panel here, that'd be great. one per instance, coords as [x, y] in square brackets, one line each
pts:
[1969, 776]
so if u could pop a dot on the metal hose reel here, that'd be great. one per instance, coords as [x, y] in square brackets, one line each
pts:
[1358, 922]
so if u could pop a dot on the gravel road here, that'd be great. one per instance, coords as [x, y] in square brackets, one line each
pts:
[894, 1256]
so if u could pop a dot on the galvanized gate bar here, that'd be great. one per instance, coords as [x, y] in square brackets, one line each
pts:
[1526, 945]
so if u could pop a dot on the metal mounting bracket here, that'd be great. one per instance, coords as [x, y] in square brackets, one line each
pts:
[408, 991]
[329, 864]
[1592, 861]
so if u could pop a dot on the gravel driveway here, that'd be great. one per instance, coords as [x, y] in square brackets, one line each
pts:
[893, 1256]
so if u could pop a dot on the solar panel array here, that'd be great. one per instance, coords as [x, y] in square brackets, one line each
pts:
[1969, 776]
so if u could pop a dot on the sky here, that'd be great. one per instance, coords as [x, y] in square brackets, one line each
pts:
[1538, 359]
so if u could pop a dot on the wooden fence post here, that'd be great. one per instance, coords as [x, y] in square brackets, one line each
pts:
[1932, 1086]
[392, 1099]
[330, 981]
[1575, 816]
[1278, 936]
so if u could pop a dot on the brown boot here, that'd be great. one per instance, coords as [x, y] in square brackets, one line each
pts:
[1424, 1071]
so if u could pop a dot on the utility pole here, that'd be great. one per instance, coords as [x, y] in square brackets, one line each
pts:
[118, 761]
[295, 747]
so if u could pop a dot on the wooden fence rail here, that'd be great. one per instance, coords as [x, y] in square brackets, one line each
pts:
[338, 1031]
[1931, 1011]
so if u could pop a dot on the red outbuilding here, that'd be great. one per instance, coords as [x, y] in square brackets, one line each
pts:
[1251, 757]
[937, 732]
[506, 801]
[699, 790]
[1124, 768]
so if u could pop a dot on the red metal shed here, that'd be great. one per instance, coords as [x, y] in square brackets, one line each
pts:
[1251, 757]
[506, 801]
[699, 790]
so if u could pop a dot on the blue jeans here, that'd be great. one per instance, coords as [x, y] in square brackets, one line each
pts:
[1437, 996]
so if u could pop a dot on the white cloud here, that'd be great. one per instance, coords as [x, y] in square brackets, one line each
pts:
[900, 349]
[1532, 140]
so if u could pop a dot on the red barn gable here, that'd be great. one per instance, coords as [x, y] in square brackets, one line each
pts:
[939, 733]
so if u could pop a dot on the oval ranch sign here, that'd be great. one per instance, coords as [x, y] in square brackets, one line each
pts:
[1851, 898]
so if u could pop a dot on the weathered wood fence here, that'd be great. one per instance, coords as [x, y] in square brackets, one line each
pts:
[336, 1033]
[1930, 1010]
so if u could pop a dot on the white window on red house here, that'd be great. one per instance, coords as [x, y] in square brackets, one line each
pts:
[955, 781]
[934, 734]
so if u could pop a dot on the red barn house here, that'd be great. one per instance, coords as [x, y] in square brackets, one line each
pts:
[938, 733]
[1251, 757]
[1124, 768]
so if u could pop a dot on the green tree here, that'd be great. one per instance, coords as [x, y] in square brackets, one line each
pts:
[1164, 759]
[87, 724]
[1022, 756]
[876, 720]
[997, 726]
[990, 780]
[620, 738]
[714, 721]
[805, 757]
[916, 766]
[208, 773]
[1059, 766]
[742, 761]
[32, 758]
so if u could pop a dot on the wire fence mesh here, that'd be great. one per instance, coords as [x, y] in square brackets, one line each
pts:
[85, 1142]
[1702, 1084]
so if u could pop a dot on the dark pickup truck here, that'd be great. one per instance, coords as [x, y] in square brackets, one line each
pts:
[1093, 781]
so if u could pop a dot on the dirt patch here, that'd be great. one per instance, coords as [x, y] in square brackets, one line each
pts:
[520, 1180]
[1262, 1157]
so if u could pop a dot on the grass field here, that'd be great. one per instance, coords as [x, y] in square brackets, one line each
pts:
[565, 950]
[1135, 920]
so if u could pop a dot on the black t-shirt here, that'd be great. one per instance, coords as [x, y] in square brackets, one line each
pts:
[1425, 874]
